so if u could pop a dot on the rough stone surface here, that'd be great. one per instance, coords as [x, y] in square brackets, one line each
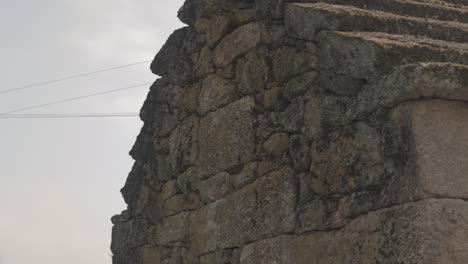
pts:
[227, 137]
[228, 222]
[215, 92]
[422, 232]
[237, 43]
[253, 72]
[303, 131]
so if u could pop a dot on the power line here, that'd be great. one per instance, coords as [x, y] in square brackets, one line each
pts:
[83, 115]
[72, 77]
[73, 99]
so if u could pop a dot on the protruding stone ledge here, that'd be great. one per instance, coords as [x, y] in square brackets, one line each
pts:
[439, 10]
[305, 20]
[411, 82]
[424, 9]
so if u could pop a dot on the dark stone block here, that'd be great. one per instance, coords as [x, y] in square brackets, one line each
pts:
[169, 53]
[186, 13]
[269, 9]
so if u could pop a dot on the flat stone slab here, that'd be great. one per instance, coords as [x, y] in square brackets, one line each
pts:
[439, 153]
[429, 231]
[227, 137]
[305, 20]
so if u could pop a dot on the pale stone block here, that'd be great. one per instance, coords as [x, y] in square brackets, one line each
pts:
[440, 131]
[438, 158]
[430, 231]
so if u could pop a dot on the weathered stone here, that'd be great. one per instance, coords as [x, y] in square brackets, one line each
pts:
[169, 52]
[214, 188]
[299, 152]
[277, 144]
[142, 144]
[216, 92]
[214, 28]
[133, 183]
[370, 55]
[313, 216]
[163, 169]
[267, 251]
[264, 129]
[306, 191]
[168, 190]
[266, 166]
[210, 8]
[276, 201]
[183, 148]
[190, 105]
[186, 180]
[299, 85]
[218, 27]
[323, 114]
[339, 84]
[442, 147]
[438, 149]
[224, 256]
[289, 62]
[274, 35]
[207, 8]
[186, 13]
[150, 255]
[359, 203]
[252, 72]
[431, 233]
[313, 118]
[227, 137]
[181, 203]
[170, 108]
[129, 234]
[173, 229]
[193, 45]
[243, 16]
[247, 175]
[348, 160]
[412, 82]
[269, 9]
[143, 198]
[179, 254]
[293, 117]
[204, 65]
[146, 254]
[320, 16]
[237, 211]
[242, 40]
[313, 137]
[248, 214]
[271, 98]
[147, 112]
[439, 10]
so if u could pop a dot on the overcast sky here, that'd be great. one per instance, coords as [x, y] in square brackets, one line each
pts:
[60, 178]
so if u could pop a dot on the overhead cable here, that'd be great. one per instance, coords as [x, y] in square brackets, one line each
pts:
[73, 99]
[72, 77]
[82, 115]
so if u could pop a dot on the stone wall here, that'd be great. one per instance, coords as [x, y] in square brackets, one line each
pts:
[290, 132]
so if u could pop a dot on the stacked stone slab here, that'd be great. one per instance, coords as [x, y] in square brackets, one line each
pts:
[304, 132]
